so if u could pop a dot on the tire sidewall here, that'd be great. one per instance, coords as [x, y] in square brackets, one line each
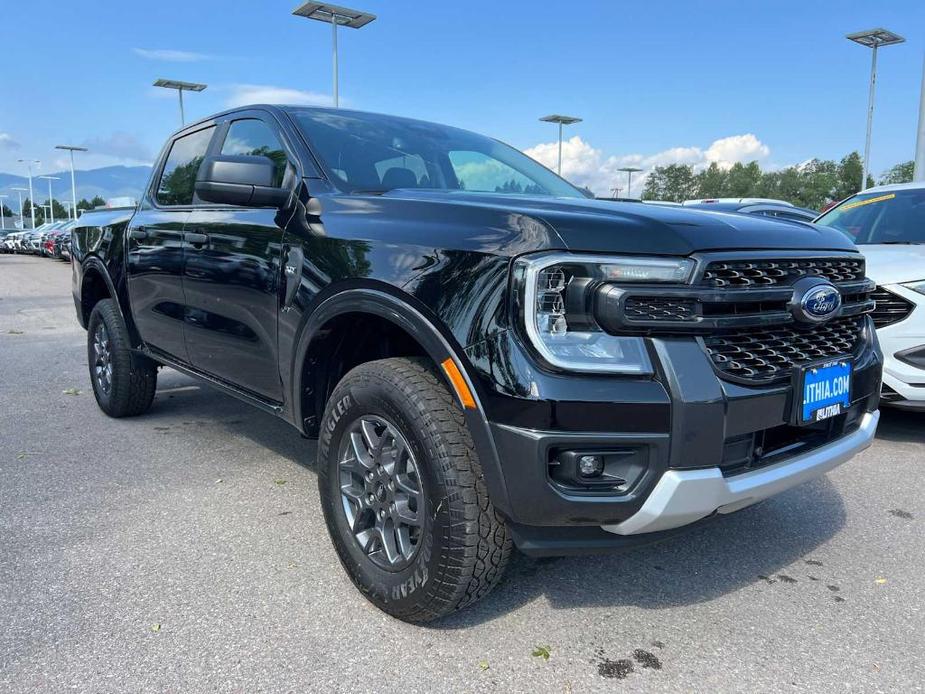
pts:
[396, 592]
[99, 315]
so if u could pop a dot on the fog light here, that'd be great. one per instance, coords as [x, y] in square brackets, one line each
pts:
[590, 465]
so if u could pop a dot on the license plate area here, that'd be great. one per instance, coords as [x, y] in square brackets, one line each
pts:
[822, 391]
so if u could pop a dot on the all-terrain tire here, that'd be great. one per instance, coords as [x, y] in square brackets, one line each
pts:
[463, 544]
[128, 382]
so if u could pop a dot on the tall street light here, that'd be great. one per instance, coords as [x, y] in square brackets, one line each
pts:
[29, 163]
[561, 120]
[51, 200]
[335, 16]
[918, 172]
[180, 87]
[72, 149]
[630, 170]
[873, 39]
[20, 191]
[2, 218]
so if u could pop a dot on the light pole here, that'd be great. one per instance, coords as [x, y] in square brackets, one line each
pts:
[335, 16]
[51, 199]
[561, 120]
[180, 87]
[2, 218]
[918, 173]
[29, 163]
[873, 39]
[71, 150]
[20, 191]
[630, 170]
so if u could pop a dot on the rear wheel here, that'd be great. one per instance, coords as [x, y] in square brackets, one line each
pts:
[403, 495]
[123, 383]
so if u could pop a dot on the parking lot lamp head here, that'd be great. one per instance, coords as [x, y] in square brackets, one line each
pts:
[335, 16]
[873, 39]
[71, 149]
[180, 87]
[561, 120]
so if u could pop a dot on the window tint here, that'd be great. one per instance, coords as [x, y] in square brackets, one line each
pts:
[252, 136]
[894, 217]
[477, 171]
[179, 175]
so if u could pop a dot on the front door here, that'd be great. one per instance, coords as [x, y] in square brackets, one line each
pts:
[232, 274]
[155, 247]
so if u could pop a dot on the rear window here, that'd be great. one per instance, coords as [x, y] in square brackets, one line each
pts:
[884, 217]
[178, 178]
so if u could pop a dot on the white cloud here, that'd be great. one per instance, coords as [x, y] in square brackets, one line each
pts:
[120, 145]
[243, 94]
[171, 55]
[7, 142]
[584, 165]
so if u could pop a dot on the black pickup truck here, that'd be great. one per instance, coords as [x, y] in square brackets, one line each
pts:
[488, 358]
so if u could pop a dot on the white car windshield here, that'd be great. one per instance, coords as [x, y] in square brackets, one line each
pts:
[887, 217]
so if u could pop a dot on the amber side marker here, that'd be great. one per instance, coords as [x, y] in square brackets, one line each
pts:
[459, 383]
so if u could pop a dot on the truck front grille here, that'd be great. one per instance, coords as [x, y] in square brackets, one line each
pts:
[765, 354]
[891, 308]
[770, 273]
[659, 308]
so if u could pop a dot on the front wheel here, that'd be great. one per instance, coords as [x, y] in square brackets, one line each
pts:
[123, 383]
[403, 494]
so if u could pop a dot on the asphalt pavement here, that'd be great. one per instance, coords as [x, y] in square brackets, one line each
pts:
[185, 550]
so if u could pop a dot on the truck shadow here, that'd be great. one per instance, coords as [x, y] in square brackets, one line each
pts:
[901, 426]
[735, 552]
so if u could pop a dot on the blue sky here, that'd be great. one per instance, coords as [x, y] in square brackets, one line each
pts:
[655, 82]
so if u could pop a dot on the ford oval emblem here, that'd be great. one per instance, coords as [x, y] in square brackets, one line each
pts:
[817, 302]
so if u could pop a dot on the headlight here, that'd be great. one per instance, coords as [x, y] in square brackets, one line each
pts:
[916, 286]
[558, 308]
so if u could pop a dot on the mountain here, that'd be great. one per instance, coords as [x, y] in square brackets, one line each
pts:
[107, 182]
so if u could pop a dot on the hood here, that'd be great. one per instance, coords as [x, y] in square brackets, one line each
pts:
[630, 227]
[894, 264]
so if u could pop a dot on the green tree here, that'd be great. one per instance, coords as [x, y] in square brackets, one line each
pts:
[901, 173]
[675, 183]
[742, 180]
[84, 204]
[97, 201]
[7, 212]
[711, 181]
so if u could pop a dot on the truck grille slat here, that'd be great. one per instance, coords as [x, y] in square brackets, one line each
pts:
[783, 272]
[764, 354]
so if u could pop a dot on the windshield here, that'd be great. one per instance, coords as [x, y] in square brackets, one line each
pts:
[894, 217]
[370, 153]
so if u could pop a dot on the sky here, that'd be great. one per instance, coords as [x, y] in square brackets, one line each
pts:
[655, 83]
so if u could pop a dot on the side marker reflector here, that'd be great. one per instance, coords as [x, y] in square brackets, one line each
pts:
[459, 383]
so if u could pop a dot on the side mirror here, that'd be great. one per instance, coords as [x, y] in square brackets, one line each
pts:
[239, 179]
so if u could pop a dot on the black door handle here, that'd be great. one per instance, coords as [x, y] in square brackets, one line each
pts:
[138, 233]
[195, 238]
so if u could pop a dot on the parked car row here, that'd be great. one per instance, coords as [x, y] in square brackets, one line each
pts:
[51, 240]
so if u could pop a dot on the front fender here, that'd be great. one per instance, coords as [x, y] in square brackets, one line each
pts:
[417, 322]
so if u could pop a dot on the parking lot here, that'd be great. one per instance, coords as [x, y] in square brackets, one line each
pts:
[185, 550]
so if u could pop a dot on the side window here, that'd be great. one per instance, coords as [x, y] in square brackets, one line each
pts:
[253, 136]
[179, 175]
[480, 172]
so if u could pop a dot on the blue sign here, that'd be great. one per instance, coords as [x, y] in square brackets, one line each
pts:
[826, 391]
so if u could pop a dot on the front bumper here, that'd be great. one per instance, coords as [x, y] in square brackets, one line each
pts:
[904, 379]
[701, 437]
[685, 496]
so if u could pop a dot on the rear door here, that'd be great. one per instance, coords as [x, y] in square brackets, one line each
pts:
[155, 247]
[233, 270]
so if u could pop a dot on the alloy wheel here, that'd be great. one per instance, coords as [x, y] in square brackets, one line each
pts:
[381, 492]
[102, 358]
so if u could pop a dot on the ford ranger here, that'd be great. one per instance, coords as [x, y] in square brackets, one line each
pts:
[488, 358]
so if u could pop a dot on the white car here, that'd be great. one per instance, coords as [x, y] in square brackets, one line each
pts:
[888, 225]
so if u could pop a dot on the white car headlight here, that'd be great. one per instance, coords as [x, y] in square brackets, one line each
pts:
[558, 312]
